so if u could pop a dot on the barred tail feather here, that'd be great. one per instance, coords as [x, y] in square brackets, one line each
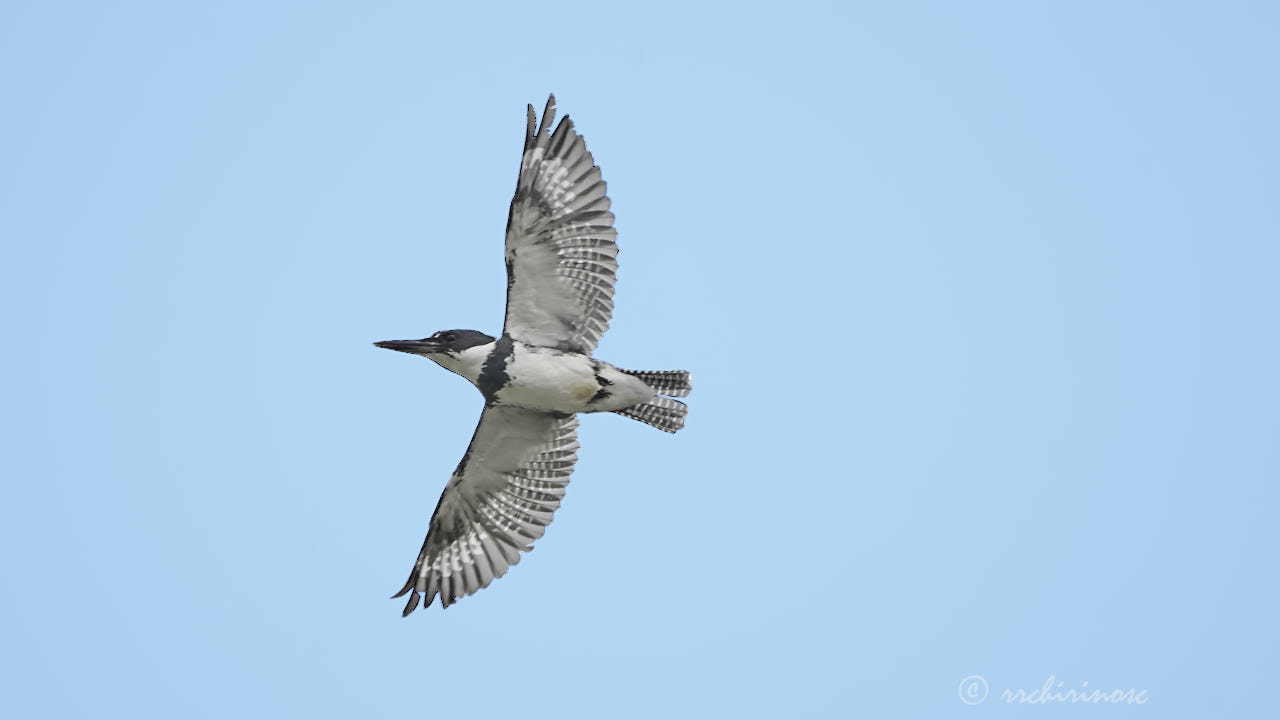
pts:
[661, 412]
[664, 382]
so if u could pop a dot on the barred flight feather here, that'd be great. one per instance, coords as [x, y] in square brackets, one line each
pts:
[674, 383]
[502, 501]
[557, 296]
[660, 412]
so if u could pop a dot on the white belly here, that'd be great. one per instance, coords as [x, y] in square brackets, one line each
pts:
[544, 379]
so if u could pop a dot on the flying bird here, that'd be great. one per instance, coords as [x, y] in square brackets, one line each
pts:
[537, 375]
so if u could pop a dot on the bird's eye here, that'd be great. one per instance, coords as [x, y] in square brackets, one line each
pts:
[450, 337]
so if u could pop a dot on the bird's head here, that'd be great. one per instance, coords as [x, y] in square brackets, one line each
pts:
[449, 342]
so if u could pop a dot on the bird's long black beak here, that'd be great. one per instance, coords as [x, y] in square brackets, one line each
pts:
[425, 346]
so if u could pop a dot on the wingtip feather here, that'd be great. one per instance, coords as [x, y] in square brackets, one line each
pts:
[412, 604]
[407, 586]
[548, 114]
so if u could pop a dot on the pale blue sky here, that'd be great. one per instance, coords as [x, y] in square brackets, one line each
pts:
[980, 302]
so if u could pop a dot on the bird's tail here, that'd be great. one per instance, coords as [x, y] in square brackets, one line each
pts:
[661, 412]
[664, 382]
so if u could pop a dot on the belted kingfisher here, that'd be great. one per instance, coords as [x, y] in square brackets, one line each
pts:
[536, 376]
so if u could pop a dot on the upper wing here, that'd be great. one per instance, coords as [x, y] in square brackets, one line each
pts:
[561, 254]
[499, 500]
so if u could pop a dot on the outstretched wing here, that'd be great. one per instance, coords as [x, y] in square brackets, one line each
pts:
[499, 500]
[561, 254]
